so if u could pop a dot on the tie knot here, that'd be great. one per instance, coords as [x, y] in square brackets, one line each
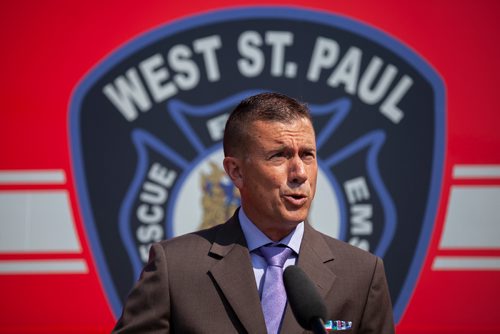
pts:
[275, 255]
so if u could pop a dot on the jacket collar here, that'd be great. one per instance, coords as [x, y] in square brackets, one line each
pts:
[313, 257]
[234, 275]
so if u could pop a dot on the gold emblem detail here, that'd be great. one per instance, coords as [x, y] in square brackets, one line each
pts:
[220, 197]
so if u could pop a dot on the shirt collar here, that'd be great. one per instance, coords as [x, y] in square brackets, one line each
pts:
[255, 238]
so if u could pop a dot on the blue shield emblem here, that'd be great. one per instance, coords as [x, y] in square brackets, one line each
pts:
[146, 129]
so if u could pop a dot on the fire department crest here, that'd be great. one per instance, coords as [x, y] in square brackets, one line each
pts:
[146, 130]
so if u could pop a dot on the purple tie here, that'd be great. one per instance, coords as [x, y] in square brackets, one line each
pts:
[273, 291]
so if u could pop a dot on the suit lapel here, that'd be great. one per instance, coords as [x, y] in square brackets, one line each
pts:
[314, 253]
[234, 275]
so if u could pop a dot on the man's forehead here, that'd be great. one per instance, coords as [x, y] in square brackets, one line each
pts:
[259, 125]
[282, 133]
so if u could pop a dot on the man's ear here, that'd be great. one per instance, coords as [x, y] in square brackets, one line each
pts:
[232, 166]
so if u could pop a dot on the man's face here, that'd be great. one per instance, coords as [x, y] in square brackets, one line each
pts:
[277, 175]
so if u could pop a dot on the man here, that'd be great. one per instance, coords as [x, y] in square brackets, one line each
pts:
[213, 281]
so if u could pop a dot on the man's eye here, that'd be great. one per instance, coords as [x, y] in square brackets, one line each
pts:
[308, 156]
[278, 156]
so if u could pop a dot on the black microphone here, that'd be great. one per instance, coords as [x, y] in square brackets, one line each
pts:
[306, 303]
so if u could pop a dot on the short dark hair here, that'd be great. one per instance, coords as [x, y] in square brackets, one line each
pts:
[271, 107]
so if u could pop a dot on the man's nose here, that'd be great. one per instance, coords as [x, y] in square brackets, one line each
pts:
[297, 171]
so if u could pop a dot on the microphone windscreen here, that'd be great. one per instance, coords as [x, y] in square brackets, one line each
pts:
[304, 299]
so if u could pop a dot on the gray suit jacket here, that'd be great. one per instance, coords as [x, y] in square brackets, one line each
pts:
[204, 283]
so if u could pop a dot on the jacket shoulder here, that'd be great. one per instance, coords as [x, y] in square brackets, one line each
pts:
[191, 241]
[345, 252]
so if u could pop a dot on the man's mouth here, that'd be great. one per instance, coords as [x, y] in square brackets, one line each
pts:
[296, 199]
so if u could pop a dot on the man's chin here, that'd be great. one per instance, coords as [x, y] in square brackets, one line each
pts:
[295, 218]
[297, 212]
